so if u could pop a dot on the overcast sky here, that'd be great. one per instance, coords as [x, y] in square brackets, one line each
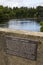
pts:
[19, 3]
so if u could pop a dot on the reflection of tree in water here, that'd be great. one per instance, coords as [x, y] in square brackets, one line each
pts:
[24, 22]
[4, 24]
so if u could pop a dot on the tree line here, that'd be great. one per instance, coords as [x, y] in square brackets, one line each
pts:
[7, 13]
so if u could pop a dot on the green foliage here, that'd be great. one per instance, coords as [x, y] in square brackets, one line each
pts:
[22, 12]
[41, 23]
[41, 29]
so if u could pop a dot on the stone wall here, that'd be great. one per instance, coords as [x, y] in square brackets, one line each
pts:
[21, 47]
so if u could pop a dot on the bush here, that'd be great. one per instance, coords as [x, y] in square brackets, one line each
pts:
[41, 23]
[41, 29]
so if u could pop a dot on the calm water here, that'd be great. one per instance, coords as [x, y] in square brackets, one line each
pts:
[22, 25]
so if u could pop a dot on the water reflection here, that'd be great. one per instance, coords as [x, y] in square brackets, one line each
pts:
[30, 25]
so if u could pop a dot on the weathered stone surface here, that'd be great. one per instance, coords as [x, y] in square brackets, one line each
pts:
[21, 47]
[10, 59]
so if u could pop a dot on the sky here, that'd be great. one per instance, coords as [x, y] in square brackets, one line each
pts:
[20, 3]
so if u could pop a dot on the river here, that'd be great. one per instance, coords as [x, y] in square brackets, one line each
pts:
[29, 25]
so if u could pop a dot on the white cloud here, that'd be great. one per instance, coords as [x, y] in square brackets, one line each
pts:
[29, 3]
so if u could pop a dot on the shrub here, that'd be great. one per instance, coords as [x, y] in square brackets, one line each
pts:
[41, 29]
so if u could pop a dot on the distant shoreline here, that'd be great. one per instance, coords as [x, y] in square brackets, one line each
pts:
[37, 19]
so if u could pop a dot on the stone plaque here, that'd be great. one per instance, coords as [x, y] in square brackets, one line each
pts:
[22, 47]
